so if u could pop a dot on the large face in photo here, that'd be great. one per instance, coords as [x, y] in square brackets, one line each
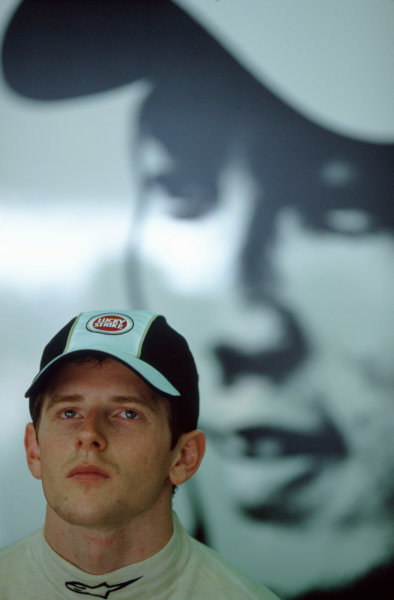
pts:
[268, 241]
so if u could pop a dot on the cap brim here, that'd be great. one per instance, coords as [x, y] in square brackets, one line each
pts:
[148, 373]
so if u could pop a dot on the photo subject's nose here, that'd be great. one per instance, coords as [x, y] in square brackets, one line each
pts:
[275, 362]
[271, 342]
[256, 277]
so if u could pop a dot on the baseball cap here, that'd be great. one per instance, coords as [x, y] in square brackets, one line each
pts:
[141, 340]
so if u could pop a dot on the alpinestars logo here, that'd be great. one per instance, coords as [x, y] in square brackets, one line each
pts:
[99, 591]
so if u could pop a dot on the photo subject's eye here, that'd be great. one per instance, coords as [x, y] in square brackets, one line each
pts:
[348, 221]
[343, 221]
[182, 201]
[338, 173]
[191, 206]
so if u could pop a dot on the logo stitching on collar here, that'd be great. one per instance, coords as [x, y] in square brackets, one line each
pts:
[103, 590]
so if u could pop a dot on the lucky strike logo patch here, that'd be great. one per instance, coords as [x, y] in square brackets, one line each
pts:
[110, 323]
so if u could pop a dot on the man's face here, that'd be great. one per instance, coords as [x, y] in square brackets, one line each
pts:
[290, 326]
[103, 415]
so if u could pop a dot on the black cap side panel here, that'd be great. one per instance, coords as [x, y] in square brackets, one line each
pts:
[57, 345]
[168, 351]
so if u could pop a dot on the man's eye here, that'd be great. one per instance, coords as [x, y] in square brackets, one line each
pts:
[130, 414]
[68, 413]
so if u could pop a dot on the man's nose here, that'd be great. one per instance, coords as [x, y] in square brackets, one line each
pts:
[91, 433]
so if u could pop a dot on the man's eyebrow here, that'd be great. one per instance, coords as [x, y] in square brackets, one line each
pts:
[61, 399]
[116, 399]
[144, 400]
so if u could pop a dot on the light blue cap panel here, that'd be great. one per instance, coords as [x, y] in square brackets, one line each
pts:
[124, 332]
[118, 334]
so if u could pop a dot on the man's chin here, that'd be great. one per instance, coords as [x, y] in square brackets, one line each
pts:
[89, 517]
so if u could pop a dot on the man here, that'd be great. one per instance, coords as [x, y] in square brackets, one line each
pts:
[114, 409]
[268, 238]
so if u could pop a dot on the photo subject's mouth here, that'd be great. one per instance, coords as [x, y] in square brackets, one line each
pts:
[273, 441]
[288, 460]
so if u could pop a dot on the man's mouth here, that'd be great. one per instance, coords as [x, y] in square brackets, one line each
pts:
[86, 472]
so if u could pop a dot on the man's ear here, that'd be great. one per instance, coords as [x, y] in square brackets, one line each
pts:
[32, 449]
[189, 453]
